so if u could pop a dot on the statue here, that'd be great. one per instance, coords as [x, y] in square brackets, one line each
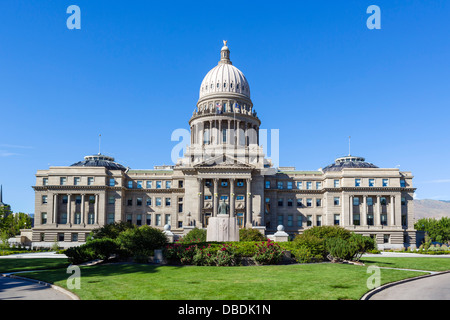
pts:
[223, 207]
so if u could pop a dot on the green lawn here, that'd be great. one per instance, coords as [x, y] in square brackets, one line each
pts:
[324, 281]
[285, 282]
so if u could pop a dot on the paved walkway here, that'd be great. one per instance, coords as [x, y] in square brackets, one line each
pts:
[18, 289]
[436, 287]
[36, 255]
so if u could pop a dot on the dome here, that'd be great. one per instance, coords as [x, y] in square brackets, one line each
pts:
[99, 160]
[224, 78]
[350, 162]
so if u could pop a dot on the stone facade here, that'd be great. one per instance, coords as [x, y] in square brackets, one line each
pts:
[224, 162]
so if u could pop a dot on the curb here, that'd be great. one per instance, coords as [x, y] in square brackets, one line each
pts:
[71, 295]
[369, 294]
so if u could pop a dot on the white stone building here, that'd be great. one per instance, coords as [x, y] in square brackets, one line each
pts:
[224, 161]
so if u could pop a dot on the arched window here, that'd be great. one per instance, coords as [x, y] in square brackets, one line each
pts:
[217, 85]
[231, 85]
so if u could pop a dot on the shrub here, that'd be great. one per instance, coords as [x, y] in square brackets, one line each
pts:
[141, 241]
[94, 249]
[111, 230]
[315, 244]
[226, 256]
[196, 235]
[325, 232]
[268, 253]
[77, 255]
[249, 234]
[304, 255]
[349, 249]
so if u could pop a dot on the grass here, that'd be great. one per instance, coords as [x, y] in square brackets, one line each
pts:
[130, 281]
[281, 282]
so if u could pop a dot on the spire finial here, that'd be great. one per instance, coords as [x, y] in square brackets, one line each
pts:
[225, 54]
[99, 142]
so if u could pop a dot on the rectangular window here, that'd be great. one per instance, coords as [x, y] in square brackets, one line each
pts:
[158, 202]
[319, 220]
[280, 220]
[129, 218]
[110, 218]
[356, 219]
[267, 207]
[44, 199]
[77, 218]
[91, 199]
[385, 182]
[240, 183]
[111, 200]
[357, 182]
[158, 220]
[44, 218]
[90, 181]
[208, 183]
[130, 184]
[267, 184]
[208, 197]
[74, 237]
[224, 183]
[149, 201]
[167, 219]
[383, 218]
[112, 182]
[337, 201]
[76, 181]
[337, 219]
[60, 236]
[168, 202]
[149, 184]
[91, 218]
[224, 198]
[224, 135]
[78, 200]
[370, 219]
[139, 219]
[240, 197]
[158, 184]
[308, 185]
[369, 201]
[129, 201]
[168, 184]
[336, 183]
[45, 181]
[180, 207]
[64, 199]
[355, 201]
[386, 238]
[149, 219]
[62, 181]
[289, 184]
[139, 201]
[290, 221]
[290, 202]
[299, 185]
[318, 202]
[280, 202]
[299, 221]
[63, 218]
[308, 220]
[371, 182]
[280, 184]
[383, 201]
[403, 201]
[180, 183]
[139, 184]
[309, 202]
[318, 185]
[299, 202]
[402, 183]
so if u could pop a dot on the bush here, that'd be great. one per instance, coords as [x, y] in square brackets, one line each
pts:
[141, 241]
[94, 249]
[111, 231]
[196, 235]
[77, 255]
[249, 234]
[349, 249]
[325, 232]
[315, 244]
[268, 253]
[304, 255]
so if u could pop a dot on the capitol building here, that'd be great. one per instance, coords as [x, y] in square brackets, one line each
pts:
[224, 162]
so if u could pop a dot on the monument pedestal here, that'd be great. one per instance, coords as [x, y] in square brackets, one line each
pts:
[222, 228]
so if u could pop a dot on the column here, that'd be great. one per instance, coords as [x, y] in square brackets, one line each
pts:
[69, 216]
[215, 196]
[229, 132]
[391, 204]
[248, 205]
[210, 138]
[238, 140]
[96, 209]
[344, 220]
[220, 133]
[378, 212]
[232, 197]
[55, 208]
[350, 221]
[82, 210]
[364, 211]
[201, 197]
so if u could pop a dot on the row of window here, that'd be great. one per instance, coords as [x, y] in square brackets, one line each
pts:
[149, 202]
[336, 201]
[318, 185]
[141, 219]
[158, 184]
[62, 218]
[65, 199]
[76, 181]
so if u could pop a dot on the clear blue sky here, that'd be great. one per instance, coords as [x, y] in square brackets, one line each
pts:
[133, 71]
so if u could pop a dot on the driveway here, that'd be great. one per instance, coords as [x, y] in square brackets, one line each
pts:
[436, 287]
[18, 289]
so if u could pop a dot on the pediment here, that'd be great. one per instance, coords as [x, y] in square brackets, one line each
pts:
[222, 161]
